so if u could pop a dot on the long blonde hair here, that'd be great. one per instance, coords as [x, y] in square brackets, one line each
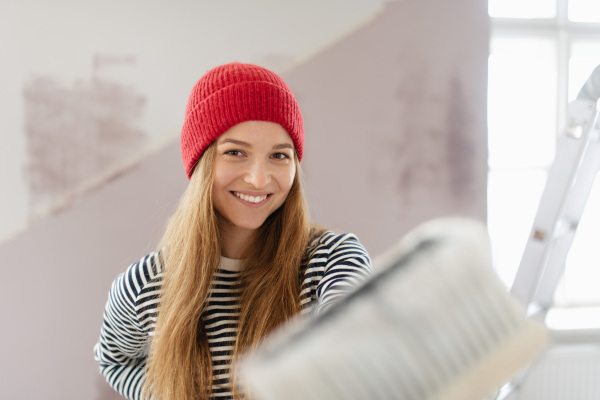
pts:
[179, 365]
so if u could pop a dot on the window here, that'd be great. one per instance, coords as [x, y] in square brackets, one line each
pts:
[541, 53]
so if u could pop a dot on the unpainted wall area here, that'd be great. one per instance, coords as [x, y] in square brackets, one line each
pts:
[396, 121]
[395, 134]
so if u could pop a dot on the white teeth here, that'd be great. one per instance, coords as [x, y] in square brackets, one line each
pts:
[250, 199]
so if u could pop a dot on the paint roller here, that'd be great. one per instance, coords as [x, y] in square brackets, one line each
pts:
[434, 322]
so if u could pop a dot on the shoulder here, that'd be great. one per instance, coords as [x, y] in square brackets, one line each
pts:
[329, 243]
[329, 252]
[148, 269]
[336, 264]
[141, 282]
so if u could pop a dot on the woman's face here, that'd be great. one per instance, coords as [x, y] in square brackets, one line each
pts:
[253, 172]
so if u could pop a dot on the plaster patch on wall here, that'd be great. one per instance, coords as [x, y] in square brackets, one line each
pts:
[461, 152]
[431, 154]
[74, 132]
[410, 155]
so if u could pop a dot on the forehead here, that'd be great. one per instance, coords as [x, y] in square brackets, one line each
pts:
[256, 133]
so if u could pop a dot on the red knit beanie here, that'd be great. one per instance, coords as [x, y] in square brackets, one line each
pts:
[234, 93]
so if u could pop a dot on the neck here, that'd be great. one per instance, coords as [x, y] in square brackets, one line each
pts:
[235, 240]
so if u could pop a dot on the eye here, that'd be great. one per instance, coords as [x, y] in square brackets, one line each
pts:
[235, 153]
[280, 156]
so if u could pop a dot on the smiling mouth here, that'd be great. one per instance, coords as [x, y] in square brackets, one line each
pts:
[251, 199]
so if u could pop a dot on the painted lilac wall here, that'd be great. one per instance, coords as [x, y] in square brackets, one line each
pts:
[396, 121]
[57, 277]
[396, 134]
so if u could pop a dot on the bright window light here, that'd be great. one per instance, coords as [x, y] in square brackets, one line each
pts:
[522, 8]
[584, 10]
[522, 102]
[570, 318]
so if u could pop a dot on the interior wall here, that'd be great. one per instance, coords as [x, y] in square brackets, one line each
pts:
[395, 134]
[396, 121]
[58, 273]
[87, 84]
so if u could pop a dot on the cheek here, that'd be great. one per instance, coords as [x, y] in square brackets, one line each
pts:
[289, 178]
[222, 176]
[219, 186]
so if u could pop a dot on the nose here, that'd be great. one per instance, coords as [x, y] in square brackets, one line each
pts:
[258, 174]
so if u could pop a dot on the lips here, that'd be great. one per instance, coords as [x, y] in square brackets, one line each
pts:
[251, 199]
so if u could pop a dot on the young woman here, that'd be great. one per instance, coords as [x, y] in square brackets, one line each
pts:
[239, 256]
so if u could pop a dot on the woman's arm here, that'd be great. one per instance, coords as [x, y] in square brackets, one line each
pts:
[129, 319]
[348, 265]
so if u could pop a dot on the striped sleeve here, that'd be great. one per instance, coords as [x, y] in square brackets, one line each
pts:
[129, 319]
[346, 267]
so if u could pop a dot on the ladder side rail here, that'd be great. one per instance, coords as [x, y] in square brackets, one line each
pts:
[567, 226]
[561, 177]
[591, 88]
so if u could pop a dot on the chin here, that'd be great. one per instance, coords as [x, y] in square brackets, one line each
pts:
[246, 224]
[250, 226]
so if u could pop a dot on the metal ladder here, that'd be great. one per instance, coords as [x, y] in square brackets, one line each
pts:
[561, 206]
[569, 183]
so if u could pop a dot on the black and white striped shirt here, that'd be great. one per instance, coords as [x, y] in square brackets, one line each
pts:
[336, 264]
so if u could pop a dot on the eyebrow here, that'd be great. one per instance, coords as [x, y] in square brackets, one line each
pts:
[233, 141]
[283, 146]
[248, 145]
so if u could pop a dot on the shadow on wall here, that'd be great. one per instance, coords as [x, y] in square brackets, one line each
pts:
[75, 132]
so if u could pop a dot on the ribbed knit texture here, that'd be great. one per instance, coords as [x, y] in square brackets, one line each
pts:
[233, 93]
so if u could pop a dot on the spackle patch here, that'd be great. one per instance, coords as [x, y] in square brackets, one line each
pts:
[75, 131]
